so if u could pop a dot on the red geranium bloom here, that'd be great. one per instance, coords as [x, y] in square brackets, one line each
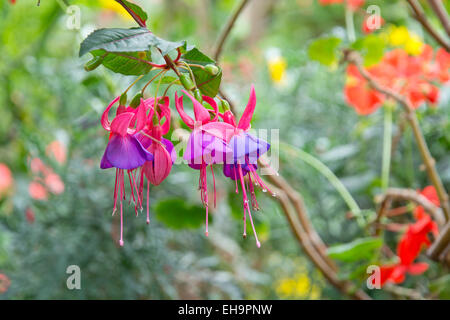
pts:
[410, 76]
[431, 194]
[409, 247]
[358, 93]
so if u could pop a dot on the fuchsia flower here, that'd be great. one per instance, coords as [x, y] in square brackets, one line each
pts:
[207, 143]
[246, 150]
[124, 151]
[164, 155]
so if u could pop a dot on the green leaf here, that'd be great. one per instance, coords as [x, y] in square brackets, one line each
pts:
[126, 40]
[177, 214]
[371, 47]
[137, 10]
[128, 63]
[207, 83]
[364, 248]
[168, 80]
[325, 50]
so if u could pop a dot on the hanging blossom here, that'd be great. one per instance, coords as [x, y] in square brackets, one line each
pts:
[410, 76]
[164, 155]
[124, 151]
[246, 150]
[207, 142]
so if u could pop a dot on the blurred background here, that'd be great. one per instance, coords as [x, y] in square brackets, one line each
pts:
[56, 203]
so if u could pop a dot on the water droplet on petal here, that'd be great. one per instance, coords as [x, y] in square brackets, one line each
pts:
[264, 190]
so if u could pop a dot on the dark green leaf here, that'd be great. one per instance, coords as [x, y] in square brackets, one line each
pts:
[137, 10]
[359, 249]
[127, 63]
[177, 214]
[126, 40]
[207, 83]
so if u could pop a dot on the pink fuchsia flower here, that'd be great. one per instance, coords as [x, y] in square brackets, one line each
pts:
[124, 151]
[6, 179]
[57, 150]
[37, 191]
[4, 283]
[207, 143]
[164, 155]
[246, 150]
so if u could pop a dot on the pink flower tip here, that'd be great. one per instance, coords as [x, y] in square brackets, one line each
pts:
[148, 221]
[121, 243]
[258, 244]
[206, 233]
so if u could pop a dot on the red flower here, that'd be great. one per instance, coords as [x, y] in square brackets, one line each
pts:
[359, 94]
[410, 76]
[409, 247]
[431, 194]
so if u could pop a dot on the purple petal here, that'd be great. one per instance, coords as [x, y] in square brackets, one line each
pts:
[247, 148]
[126, 152]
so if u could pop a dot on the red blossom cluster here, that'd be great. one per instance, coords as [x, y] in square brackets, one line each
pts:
[411, 243]
[414, 77]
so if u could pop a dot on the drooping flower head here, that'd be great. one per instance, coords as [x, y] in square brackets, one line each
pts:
[124, 151]
[151, 137]
[207, 143]
[243, 161]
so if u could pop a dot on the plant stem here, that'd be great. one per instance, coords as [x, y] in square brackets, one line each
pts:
[387, 148]
[335, 182]
[349, 23]
[227, 29]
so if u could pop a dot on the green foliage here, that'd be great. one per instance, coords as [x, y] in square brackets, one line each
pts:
[207, 83]
[126, 50]
[325, 50]
[363, 248]
[372, 48]
[177, 214]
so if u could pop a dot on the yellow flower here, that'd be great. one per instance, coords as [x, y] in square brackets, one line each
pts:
[414, 45]
[303, 285]
[285, 287]
[409, 41]
[116, 7]
[277, 68]
[398, 36]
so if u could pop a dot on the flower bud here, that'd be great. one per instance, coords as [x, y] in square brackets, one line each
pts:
[136, 100]
[187, 82]
[123, 99]
[212, 69]
[94, 63]
[224, 105]
[198, 95]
